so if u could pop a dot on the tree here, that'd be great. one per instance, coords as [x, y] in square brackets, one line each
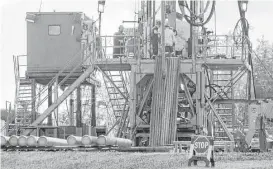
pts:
[262, 63]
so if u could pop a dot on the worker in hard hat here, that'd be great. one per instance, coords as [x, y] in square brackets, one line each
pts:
[119, 43]
[169, 39]
[155, 38]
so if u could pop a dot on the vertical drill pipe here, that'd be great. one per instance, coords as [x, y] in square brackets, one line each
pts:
[163, 34]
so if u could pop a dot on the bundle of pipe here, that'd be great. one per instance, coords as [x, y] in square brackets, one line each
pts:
[173, 117]
[50, 141]
[4, 140]
[13, 140]
[32, 141]
[157, 104]
[168, 118]
[22, 141]
[74, 140]
[89, 140]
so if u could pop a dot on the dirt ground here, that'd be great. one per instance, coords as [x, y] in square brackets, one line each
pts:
[118, 160]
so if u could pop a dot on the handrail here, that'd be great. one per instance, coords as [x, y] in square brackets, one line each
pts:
[44, 89]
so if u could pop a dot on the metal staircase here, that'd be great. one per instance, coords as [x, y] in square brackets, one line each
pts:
[24, 98]
[117, 91]
[224, 110]
[116, 86]
[25, 102]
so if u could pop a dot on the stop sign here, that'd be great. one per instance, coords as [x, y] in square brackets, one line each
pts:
[201, 144]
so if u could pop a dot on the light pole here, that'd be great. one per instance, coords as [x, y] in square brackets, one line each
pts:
[101, 4]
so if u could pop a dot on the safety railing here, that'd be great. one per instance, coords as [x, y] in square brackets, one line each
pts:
[64, 69]
[118, 46]
[221, 47]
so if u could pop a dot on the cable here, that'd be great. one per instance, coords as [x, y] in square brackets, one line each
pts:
[40, 5]
[184, 4]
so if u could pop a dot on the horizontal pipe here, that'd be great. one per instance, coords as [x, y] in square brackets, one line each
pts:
[124, 143]
[106, 141]
[89, 140]
[13, 140]
[5, 140]
[74, 140]
[114, 141]
[50, 141]
[32, 141]
[22, 141]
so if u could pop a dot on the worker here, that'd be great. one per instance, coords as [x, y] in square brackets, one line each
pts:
[156, 38]
[119, 43]
[169, 39]
[179, 44]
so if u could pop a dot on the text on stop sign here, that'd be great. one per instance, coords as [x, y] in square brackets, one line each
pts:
[201, 145]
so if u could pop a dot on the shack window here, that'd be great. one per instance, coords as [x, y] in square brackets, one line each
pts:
[54, 30]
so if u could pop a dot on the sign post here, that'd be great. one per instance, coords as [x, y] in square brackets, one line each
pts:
[201, 149]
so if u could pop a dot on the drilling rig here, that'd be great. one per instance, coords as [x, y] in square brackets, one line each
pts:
[155, 99]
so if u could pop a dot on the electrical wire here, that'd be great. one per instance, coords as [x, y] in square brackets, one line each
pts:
[184, 4]
[41, 2]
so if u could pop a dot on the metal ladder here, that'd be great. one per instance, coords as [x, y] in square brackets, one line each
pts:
[23, 100]
[116, 86]
[23, 108]
[224, 110]
[84, 76]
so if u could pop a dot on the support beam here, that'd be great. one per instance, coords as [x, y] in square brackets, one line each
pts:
[65, 94]
[79, 108]
[49, 119]
[188, 95]
[71, 111]
[133, 98]
[145, 97]
[33, 94]
[56, 95]
[93, 106]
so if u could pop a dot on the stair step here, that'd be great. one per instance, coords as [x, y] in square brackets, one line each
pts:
[223, 108]
[118, 104]
[118, 93]
[119, 109]
[24, 97]
[225, 114]
[118, 98]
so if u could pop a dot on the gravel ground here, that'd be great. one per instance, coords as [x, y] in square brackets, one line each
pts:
[118, 160]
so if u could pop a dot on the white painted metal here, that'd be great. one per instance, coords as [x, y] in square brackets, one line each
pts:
[89, 140]
[50, 141]
[32, 141]
[4, 140]
[13, 140]
[22, 141]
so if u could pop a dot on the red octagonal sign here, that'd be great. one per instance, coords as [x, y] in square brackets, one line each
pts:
[201, 144]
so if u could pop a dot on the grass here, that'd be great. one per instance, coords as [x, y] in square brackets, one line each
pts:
[118, 160]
